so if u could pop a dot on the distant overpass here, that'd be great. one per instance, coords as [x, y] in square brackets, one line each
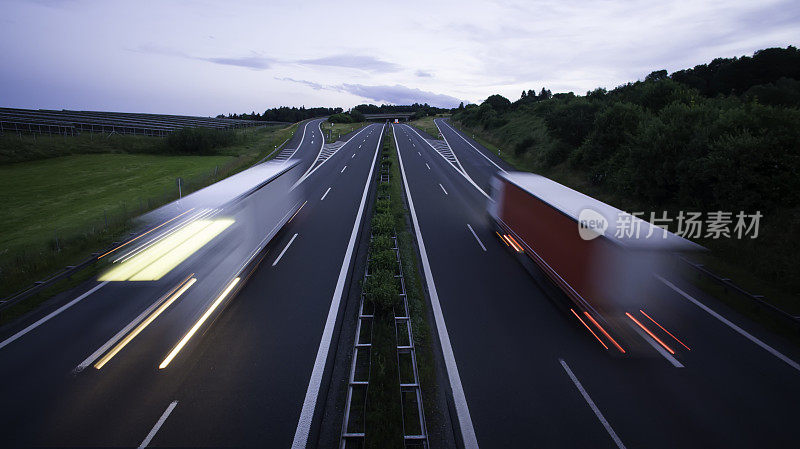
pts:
[383, 117]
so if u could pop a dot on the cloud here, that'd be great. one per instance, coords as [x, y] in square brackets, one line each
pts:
[311, 84]
[398, 94]
[367, 63]
[251, 62]
[423, 74]
[254, 61]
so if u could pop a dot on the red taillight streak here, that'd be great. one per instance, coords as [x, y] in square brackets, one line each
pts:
[517, 246]
[510, 243]
[604, 332]
[650, 333]
[587, 327]
[662, 328]
[501, 237]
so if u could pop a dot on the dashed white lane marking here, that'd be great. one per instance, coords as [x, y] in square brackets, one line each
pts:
[476, 237]
[738, 329]
[158, 425]
[51, 315]
[284, 250]
[325, 194]
[419, 153]
[592, 405]
[443, 190]
[345, 168]
[429, 167]
[354, 155]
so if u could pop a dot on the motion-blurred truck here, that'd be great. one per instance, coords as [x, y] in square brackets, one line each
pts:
[601, 258]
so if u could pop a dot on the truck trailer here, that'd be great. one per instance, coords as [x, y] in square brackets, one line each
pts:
[601, 258]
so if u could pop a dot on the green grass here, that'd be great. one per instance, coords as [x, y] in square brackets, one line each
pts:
[78, 198]
[16, 148]
[339, 129]
[383, 414]
[727, 258]
[426, 124]
[64, 194]
[415, 295]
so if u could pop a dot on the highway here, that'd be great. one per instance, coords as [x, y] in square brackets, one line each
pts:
[245, 375]
[235, 344]
[531, 376]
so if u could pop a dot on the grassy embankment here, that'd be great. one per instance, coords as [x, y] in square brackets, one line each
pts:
[75, 195]
[383, 414]
[727, 258]
[334, 131]
[426, 124]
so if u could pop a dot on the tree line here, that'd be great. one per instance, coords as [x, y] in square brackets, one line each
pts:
[722, 135]
[338, 115]
[719, 136]
[285, 114]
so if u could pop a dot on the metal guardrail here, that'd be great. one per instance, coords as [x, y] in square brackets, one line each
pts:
[727, 284]
[38, 286]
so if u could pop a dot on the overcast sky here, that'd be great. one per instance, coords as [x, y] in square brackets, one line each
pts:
[210, 57]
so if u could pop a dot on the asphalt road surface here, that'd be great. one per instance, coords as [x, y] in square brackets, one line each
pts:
[242, 379]
[532, 376]
[247, 363]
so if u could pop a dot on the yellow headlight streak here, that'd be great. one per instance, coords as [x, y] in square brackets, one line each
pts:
[153, 263]
[118, 347]
[197, 325]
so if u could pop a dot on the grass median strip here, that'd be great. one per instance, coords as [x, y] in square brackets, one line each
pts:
[388, 406]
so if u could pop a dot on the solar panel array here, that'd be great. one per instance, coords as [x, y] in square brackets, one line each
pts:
[75, 122]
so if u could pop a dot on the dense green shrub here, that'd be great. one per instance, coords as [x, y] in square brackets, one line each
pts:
[383, 205]
[340, 118]
[381, 289]
[382, 224]
[380, 243]
[199, 140]
[383, 260]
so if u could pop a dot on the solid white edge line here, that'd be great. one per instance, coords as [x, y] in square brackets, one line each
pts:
[278, 259]
[158, 425]
[443, 190]
[738, 329]
[468, 143]
[462, 173]
[309, 172]
[41, 321]
[660, 349]
[300, 144]
[325, 194]
[591, 403]
[314, 383]
[459, 399]
[476, 237]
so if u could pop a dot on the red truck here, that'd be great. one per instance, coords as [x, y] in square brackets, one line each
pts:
[602, 258]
